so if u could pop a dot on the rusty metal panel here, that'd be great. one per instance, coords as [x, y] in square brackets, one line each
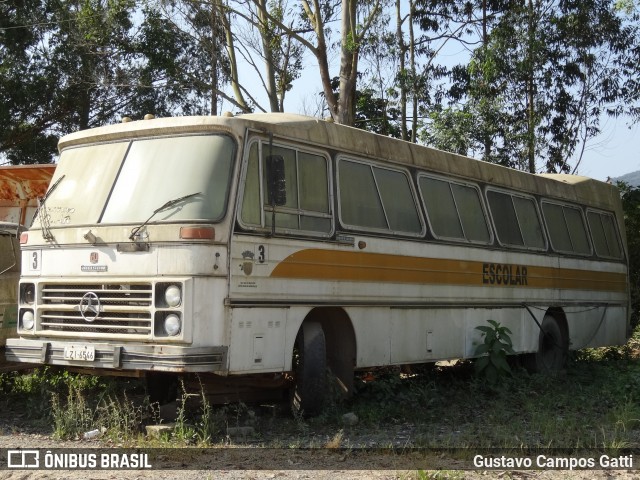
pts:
[20, 188]
[20, 183]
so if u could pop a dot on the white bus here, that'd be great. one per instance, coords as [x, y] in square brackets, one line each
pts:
[267, 248]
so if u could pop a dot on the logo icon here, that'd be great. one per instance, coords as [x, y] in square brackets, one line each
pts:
[93, 257]
[90, 306]
[23, 459]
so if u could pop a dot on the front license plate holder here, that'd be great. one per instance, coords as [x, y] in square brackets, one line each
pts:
[82, 353]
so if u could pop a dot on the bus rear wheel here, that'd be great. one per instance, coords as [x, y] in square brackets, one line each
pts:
[310, 370]
[552, 348]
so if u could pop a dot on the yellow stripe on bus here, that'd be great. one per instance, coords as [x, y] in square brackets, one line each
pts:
[317, 264]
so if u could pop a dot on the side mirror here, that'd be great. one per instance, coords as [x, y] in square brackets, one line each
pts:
[276, 183]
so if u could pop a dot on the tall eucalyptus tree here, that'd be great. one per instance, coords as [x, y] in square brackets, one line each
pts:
[539, 84]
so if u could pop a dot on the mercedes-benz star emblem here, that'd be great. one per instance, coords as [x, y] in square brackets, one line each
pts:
[90, 306]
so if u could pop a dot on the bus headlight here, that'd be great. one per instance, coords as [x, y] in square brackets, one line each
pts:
[28, 293]
[28, 320]
[173, 295]
[172, 325]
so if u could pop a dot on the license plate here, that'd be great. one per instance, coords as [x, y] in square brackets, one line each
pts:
[84, 353]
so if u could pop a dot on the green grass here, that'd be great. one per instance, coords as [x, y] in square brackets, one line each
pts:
[594, 404]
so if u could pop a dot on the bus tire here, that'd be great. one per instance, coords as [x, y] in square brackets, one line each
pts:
[552, 348]
[310, 369]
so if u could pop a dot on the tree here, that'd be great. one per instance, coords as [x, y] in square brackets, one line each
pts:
[271, 41]
[84, 63]
[356, 19]
[252, 32]
[26, 109]
[544, 77]
[432, 26]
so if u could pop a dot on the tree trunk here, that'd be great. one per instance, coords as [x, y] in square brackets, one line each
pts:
[530, 82]
[213, 23]
[488, 144]
[267, 50]
[233, 62]
[402, 51]
[348, 64]
[412, 63]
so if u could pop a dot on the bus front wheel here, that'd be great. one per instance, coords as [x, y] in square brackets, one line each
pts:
[310, 368]
[552, 348]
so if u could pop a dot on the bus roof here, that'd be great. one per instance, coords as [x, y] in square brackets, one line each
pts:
[354, 141]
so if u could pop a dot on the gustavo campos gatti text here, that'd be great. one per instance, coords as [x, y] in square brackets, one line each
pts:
[563, 463]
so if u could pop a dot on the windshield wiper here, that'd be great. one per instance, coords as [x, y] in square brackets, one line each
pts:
[170, 203]
[45, 225]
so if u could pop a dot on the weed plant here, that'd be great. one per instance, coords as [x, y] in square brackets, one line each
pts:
[88, 406]
[198, 422]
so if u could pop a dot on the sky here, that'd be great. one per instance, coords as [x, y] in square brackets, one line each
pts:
[615, 152]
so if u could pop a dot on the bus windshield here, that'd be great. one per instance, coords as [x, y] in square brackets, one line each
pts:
[126, 182]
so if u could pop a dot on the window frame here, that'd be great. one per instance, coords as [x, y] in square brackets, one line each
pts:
[451, 181]
[393, 168]
[584, 222]
[263, 227]
[512, 193]
[617, 233]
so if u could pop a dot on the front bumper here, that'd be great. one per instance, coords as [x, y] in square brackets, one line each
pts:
[121, 357]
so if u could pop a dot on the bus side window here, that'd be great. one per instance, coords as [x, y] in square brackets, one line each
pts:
[529, 221]
[313, 182]
[302, 205]
[441, 208]
[604, 234]
[516, 220]
[250, 213]
[397, 199]
[360, 204]
[454, 210]
[373, 197]
[566, 228]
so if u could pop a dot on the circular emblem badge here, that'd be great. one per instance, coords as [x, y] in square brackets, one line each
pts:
[90, 306]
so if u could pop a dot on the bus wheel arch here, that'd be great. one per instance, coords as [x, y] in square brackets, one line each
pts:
[553, 343]
[325, 340]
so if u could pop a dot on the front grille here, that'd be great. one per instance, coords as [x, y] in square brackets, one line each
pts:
[124, 309]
